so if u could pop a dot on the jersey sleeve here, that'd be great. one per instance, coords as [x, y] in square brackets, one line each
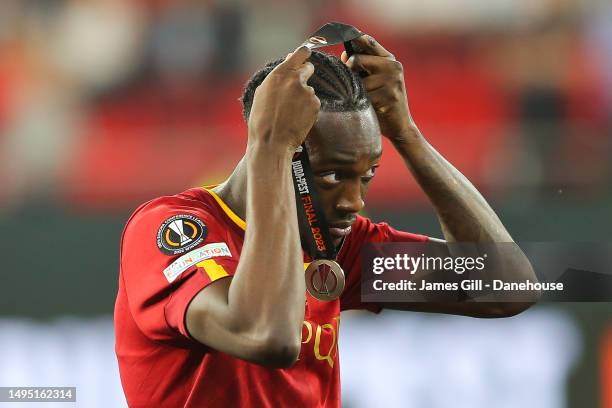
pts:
[391, 234]
[368, 232]
[170, 251]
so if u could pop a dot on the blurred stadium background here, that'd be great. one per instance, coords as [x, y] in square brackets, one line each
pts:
[105, 104]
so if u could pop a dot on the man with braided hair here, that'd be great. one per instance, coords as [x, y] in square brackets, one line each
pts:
[212, 308]
[338, 89]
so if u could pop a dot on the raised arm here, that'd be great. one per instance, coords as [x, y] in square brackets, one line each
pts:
[464, 214]
[257, 315]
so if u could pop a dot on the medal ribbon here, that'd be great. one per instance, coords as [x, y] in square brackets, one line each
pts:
[314, 230]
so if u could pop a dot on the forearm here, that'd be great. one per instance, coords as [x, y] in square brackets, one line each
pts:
[463, 212]
[268, 289]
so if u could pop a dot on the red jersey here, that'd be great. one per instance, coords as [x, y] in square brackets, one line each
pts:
[172, 248]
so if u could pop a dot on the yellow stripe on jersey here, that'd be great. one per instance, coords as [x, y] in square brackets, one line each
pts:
[237, 220]
[213, 269]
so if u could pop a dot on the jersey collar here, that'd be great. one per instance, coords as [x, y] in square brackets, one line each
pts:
[241, 223]
[228, 211]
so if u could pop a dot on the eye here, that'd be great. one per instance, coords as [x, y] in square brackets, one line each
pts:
[369, 174]
[331, 177]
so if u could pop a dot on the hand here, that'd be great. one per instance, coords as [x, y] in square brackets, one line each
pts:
[284, 107]
[383, 78]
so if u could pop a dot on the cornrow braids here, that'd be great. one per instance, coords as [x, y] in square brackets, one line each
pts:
[336, 86]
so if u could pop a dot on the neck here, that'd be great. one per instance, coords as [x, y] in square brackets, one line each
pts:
[233, 190]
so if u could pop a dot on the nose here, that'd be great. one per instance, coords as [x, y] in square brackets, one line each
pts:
[350, 199]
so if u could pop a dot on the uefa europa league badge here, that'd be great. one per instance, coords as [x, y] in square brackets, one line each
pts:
[324, 279]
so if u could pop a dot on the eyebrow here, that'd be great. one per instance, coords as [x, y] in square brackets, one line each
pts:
[349, 160]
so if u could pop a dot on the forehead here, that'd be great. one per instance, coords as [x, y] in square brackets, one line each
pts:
[344, 136]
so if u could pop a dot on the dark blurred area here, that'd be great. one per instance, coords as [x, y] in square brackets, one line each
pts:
[105, 104]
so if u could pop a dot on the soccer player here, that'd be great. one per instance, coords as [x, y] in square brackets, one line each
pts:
[212, 309]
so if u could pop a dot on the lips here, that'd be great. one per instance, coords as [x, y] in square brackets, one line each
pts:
[340, 230]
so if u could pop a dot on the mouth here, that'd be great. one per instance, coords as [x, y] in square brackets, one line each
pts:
[341, 229]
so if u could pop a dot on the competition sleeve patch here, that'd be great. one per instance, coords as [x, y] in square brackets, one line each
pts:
[197, 257]
[181, 233]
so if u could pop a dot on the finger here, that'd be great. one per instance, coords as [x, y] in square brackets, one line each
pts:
[372, 64]
[344, 57]
[374, 82]
[366, 44]
[353, 63]
[297, 57]
[306, 71]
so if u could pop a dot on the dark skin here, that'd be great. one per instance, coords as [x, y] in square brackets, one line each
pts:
[257, 315]
[344, 150]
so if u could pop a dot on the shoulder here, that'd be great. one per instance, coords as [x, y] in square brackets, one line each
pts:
[364, 229]
[178, 223]
[195, 200]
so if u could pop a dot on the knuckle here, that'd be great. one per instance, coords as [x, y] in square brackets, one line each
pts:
[278, 69]
[274, 76]
[295, 84]
[396, 66]
[295, 74]
[395, 97]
